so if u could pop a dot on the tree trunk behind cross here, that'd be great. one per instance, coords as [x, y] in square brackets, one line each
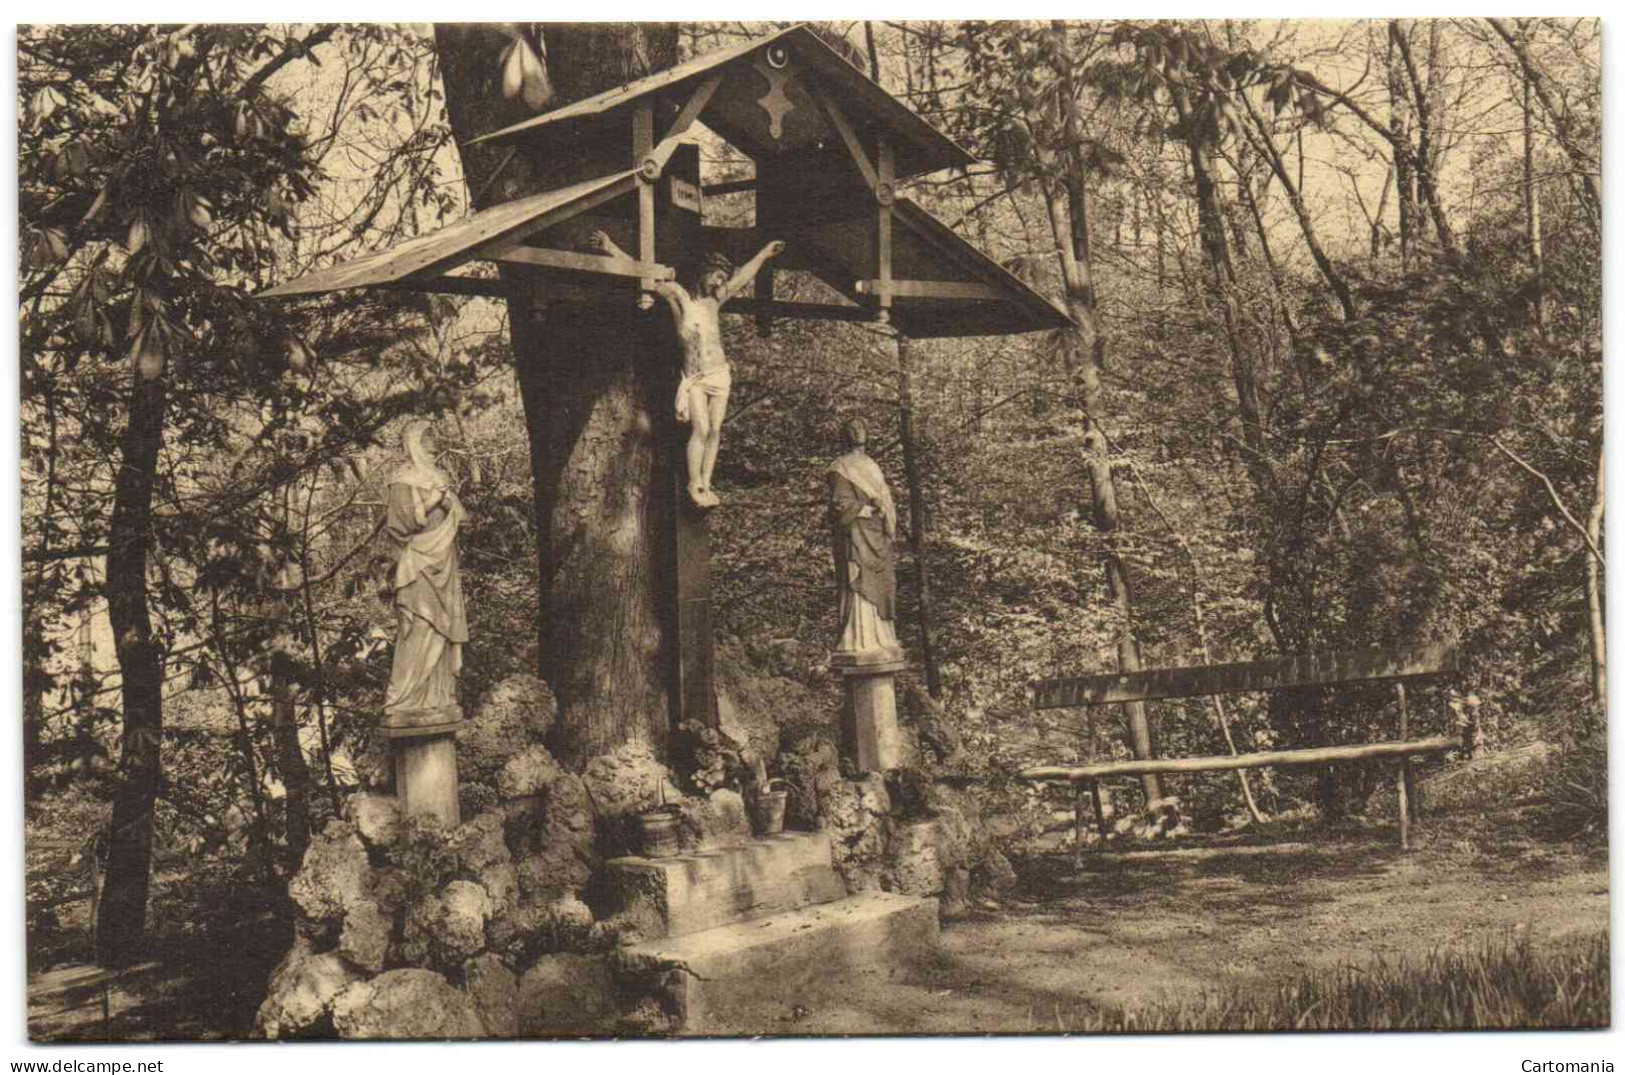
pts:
[596, 385]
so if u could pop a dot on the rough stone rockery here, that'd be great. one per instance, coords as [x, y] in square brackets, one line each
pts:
[504, 925]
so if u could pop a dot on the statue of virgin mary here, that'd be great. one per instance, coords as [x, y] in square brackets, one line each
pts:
[423, 516]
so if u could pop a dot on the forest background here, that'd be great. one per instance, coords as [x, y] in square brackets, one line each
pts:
[1338, 385]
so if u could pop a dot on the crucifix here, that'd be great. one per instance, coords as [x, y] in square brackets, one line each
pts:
[615, 232]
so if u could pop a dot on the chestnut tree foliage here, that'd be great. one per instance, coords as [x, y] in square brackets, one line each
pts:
[166, 175]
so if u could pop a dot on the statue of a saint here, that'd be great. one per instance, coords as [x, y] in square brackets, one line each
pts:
[702, 396]
[423, 516]
[863, 521]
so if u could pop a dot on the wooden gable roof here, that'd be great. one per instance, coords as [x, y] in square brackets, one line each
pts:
[417, 263]
[732, 113]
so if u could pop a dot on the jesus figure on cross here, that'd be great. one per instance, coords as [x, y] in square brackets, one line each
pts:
[702, 395]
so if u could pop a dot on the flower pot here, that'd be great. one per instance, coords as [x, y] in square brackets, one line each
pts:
[657, 833]
[767, 812]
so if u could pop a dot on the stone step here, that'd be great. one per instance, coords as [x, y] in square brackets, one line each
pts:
[751, 978]
[671, 897]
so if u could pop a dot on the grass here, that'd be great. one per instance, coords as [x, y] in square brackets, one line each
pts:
[1505, 985]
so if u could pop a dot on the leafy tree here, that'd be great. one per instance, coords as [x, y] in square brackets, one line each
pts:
[158, 168]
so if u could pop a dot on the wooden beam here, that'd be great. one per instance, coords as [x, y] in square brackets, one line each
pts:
[563, 294]
[1311, 670]
[733, 186]
[843, 126]
[539, 224]
[1219, 763]
[885, 194]
[805, 254]
[768, 212]
[936, 289]
[453, 285]
[544, 258]
[804, 311]
[643, 136]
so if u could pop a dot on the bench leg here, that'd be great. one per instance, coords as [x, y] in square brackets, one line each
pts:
[1404, 770]
[1404, 805]
[1077, 821]
[1100, 811]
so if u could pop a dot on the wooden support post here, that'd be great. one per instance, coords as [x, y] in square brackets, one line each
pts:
[764, 301]
[769, 204]
[1100, 808]
[1404, 772]
[916, 511]
[643, 136]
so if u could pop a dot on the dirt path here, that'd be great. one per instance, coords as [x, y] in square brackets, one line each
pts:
[1130, 928]
[1122, 929]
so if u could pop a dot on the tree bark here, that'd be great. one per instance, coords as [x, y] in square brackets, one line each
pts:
[1071, 231]
[1265, 143]
[1563, 127]
[874, 53]
[1399, 135]
[1107, 521]
[597, 386]
[1243, 366]
[260, 837]
[1423, 157]
[1594, 595]
[290, 755]
[122, 915]
[1531, 200]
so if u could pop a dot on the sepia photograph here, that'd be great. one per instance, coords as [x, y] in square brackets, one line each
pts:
[807, 529]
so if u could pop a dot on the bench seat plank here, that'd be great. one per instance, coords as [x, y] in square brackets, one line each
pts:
[1308, 670]
[1310, 756]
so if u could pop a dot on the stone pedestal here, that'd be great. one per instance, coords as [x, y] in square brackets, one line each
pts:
[870, 739]
[423, 751]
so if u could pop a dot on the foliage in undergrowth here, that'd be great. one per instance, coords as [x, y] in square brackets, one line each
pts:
[1560, 792]
[1576, 783]
[1501, 985]
[424, 855]
[1381, 504]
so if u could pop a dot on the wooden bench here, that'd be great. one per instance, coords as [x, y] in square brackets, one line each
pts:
[56, 998]
[1314, 670]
